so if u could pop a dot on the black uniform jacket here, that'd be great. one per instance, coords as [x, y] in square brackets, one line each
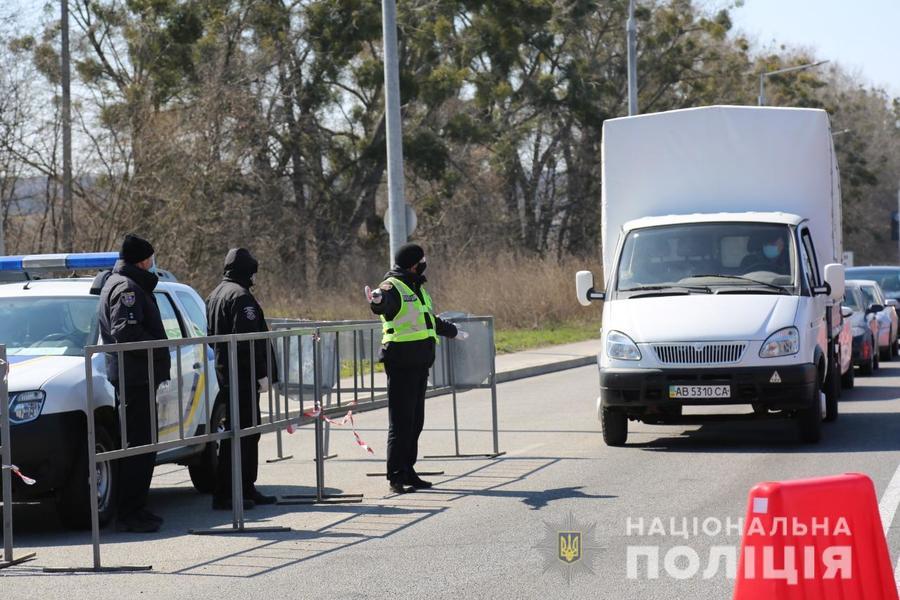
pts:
[231, 308]
[418, 354]
[129, 313]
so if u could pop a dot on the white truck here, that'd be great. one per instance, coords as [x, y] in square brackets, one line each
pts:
[721, 234]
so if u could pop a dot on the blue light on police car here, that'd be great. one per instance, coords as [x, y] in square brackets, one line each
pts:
[11, 263]
[92, 260]
[50, 262]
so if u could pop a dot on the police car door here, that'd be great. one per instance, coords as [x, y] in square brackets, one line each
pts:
[167, 395]
[201, 378]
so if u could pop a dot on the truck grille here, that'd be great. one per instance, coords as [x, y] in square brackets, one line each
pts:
[700, 353]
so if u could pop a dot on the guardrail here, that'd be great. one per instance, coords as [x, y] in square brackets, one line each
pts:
[313, 371]
[6, 469]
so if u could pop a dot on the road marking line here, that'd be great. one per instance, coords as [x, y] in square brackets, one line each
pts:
[527, 449]
[887, 508]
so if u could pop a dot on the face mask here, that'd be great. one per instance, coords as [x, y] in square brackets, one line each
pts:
[771, 251]
[253, 279]
[420, 268]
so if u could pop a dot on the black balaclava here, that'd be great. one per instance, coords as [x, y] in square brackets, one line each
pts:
[240, 266]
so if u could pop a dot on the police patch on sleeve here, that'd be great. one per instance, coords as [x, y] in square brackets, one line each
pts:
[250, 313]
[128, 298]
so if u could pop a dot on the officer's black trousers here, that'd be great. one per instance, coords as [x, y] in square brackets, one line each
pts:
[135, 472]
[248, 401]
[406, 415]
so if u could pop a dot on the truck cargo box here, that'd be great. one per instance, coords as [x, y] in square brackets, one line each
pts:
[722, 159]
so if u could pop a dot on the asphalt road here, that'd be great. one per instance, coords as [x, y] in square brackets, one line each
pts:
[482, 531]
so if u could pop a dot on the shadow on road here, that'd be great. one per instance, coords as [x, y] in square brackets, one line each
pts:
[852, 432]
[485, 481]
[337, 527]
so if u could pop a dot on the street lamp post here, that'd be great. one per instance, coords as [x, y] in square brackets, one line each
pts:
[68, 226]
[396, 202]
[631, 33]
[762, 77]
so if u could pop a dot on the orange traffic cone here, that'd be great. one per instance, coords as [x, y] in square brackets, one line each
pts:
[814, 538]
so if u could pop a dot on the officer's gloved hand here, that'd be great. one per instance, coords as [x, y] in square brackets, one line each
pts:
[374, 297]
[263, 385]
[461, 335]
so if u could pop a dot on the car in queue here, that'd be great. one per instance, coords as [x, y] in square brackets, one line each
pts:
[864, 329]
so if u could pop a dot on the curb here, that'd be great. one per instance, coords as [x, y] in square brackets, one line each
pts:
[538, 370]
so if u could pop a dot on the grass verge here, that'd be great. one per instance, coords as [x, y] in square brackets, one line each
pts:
[516, 340]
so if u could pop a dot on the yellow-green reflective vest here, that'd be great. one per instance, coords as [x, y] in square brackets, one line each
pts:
[409, 324]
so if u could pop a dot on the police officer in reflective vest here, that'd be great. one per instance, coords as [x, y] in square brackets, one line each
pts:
[409, 334]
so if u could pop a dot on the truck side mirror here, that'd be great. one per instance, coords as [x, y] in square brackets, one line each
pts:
[875, 308]
[846, 312]
[834, 280]
[584, 288]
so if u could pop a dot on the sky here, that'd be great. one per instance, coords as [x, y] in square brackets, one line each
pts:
[862, 35]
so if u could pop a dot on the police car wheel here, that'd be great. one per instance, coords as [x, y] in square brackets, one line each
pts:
[203, 471]
[73, 502]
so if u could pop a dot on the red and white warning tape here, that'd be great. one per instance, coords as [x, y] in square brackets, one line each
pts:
[27, 480]
[348, 418]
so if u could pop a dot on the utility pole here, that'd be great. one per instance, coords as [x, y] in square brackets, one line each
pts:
[396, 201]
[898, 215]
[68, 225]
[631, 33]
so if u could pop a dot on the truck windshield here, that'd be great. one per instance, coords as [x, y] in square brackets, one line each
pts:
[736, 256]
[48, 326]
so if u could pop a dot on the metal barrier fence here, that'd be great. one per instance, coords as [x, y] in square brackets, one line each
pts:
[6, 469]
[459, 366]
[314, 372]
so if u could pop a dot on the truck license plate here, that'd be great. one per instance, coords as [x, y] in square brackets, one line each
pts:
[700, 391]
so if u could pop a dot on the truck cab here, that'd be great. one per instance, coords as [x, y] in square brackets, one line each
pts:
[703, 307]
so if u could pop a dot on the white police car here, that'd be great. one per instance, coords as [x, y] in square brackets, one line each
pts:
[45, 325]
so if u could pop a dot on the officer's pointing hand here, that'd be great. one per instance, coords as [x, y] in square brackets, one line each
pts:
[373, 297]
[461, 335]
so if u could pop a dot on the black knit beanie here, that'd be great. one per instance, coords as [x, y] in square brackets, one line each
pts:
[409, 255]
[135, 249]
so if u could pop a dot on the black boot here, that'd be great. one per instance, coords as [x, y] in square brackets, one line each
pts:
[398, 488]
[259, 499]
[417, 482]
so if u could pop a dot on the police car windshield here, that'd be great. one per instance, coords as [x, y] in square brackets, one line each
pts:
[47, 326]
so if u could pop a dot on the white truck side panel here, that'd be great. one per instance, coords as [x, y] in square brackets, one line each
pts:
[721, 159]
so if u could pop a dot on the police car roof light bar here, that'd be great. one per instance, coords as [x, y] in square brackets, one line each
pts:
[51, 262]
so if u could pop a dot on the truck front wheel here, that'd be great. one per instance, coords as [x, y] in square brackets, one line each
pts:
[809, 421]
[615, 426]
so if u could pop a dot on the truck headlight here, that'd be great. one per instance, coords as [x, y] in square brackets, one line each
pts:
[620, 347]
[26, 406]
[783, 342]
